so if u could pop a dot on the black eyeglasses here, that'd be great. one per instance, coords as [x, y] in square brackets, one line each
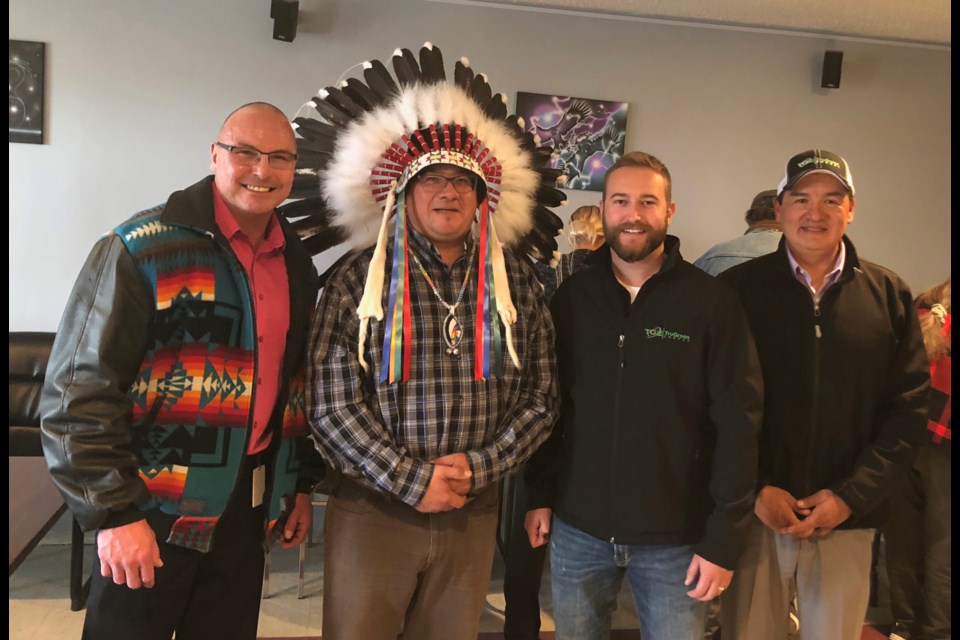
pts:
[434, 182]
[249, 156]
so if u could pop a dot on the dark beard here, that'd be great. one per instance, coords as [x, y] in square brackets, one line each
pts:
[654, 238]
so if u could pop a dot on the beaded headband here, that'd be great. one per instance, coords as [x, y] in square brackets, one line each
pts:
[372, 137]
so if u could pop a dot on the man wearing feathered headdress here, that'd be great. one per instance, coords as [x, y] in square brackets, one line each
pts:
[433, 373]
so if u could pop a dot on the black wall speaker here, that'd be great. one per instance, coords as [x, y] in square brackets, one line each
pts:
[832, 61]
[284, 14]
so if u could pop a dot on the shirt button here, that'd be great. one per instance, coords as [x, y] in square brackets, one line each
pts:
[260, 338]
[260, 296]
[259, 380]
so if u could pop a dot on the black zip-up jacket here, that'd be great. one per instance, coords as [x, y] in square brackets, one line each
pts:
[660, 414]
[845, 381]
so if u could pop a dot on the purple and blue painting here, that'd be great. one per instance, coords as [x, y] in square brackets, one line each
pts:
[586, 135]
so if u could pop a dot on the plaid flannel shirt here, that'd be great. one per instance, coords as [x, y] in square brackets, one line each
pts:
[938, 422]
[384, 435]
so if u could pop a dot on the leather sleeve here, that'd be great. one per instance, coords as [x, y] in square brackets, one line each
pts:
[85, 410]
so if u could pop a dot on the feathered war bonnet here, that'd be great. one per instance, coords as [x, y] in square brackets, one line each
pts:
[372, 138]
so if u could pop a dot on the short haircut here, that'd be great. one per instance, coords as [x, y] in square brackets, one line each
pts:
[641, 160]
[761, 208]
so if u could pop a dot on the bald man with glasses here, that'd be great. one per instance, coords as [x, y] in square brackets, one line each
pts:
[172, 414]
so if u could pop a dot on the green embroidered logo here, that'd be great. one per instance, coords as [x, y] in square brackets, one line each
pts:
[819, 161]
[664, 334]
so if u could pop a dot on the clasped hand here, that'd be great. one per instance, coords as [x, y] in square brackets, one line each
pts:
[449, 484]
[815, 515]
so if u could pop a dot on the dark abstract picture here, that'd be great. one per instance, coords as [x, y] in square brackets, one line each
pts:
[586, 135]
[26, 91]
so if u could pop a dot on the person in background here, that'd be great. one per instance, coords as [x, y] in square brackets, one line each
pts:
[761, 237]
[585, 235]
[651, 469]
[845, 384]
[524, 564]
[172, 415]
[917, 534]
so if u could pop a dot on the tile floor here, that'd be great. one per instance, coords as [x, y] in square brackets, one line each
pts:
[39, 603]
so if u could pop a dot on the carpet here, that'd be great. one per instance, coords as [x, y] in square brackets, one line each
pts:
[869, 633]
[617, 634]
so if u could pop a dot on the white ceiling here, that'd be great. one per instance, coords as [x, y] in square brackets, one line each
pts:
[924, 23]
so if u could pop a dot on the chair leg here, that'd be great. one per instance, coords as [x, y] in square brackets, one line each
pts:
[300, 568]
[266, 574]
[78, 588]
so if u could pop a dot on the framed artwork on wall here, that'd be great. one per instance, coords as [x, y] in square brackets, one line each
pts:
[26, 91]
[587, 135]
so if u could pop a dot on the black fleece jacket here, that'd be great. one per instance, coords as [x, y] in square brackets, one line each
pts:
[845, 381]
[661, 409]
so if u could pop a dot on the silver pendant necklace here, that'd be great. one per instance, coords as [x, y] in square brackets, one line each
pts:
[451, 329]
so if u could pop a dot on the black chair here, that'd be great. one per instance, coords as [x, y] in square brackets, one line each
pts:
[29, 353]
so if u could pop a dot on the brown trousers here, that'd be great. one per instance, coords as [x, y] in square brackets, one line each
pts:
[392, 572]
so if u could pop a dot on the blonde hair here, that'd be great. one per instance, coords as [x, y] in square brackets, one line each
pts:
[586, 226]
[936, 304]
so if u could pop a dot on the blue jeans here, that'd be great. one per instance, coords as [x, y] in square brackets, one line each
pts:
[587, 574]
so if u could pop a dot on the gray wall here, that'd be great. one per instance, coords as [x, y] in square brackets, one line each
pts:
[136, 90]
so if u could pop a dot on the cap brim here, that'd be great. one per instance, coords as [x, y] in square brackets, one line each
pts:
[784, 184]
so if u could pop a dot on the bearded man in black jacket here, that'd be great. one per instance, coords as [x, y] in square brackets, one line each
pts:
[651, 470]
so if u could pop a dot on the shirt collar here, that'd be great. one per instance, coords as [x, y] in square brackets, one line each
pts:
[273, 238]
[801, 274]
[424, 247]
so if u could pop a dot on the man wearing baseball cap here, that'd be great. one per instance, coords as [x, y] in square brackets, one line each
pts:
[845, 384]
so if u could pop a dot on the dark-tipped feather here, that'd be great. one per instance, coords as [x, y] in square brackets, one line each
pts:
[496, 109]
[431, 65]
[550, 175]
[330, 112]
[305, 185]
[315, 206]
[540, 157]
[321, 145]
[320, 242]
[463, 75]
[380, 81]
[343, 102]
[313, 129]
[549, 196]
[405, 66]
[316, 160]
[480, 90]
[361, 94]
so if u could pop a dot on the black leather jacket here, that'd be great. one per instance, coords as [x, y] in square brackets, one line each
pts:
[100, 445]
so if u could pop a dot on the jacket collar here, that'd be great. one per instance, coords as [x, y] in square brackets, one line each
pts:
[671, 251]
[193, 207]
[851, 263]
